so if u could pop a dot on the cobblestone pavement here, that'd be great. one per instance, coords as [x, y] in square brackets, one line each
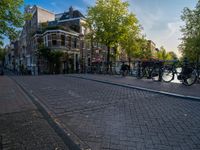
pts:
[109, 117]
[22, 127]
[148, 83]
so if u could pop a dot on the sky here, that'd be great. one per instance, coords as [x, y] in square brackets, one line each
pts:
[160, 19]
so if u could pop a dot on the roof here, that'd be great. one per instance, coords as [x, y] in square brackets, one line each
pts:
[75, 14]
[56, 29]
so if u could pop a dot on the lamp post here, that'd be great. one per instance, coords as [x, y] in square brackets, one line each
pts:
[81, 37]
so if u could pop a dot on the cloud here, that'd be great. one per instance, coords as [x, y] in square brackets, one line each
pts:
[89, 2]
[174, 29]
[172, 35]
[147, 18]
[159, 26]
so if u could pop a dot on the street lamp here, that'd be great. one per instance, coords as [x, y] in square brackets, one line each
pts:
[81, 37]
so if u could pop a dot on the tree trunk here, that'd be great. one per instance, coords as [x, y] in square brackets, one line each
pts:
[129, 61]
[92, 52]
[108, 59]
[115, 54]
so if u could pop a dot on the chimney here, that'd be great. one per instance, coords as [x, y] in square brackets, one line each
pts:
[71, 12]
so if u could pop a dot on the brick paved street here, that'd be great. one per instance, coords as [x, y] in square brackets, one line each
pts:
[22, 127]
[147, 83]
[111, 117]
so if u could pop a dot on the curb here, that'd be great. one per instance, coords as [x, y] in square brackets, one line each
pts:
[194, 98]
[66, 135]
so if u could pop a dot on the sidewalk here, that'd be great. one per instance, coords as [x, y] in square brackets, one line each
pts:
[175, 88]
[21, 125]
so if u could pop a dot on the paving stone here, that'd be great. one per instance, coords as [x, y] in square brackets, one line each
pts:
[111, 117]
[22, 127]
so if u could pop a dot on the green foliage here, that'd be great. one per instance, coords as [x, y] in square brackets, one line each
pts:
[108, 19]
[11, 18]
[53, 58]
[144, 51]
[44, 52]
[136, 47]
[162, 54]
[173, 55]
[190, 46]
[131, 41]
[50, 55]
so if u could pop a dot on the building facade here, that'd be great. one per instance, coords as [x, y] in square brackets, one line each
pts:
[152, 47]
[57, 32]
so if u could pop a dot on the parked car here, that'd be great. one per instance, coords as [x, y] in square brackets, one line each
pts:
[1, 70]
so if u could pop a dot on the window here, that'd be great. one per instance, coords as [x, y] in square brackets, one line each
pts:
[46, 41]
[75, 43]
[69, 42]
[63, 40]
[54, 39]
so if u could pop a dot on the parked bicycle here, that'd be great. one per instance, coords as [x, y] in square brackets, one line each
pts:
[125, 69]
[197, 67]
[186, 73]
[150, 70]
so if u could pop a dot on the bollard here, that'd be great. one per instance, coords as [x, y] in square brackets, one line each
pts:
[139, 69]
[160, 72]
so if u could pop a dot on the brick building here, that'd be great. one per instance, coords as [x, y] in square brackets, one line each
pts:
[64, 32]
[58, 32]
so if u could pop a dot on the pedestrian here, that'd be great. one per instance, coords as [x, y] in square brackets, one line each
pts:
[123, 69]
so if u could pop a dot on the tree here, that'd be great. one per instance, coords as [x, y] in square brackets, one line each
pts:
[53, 58]
[11, 18]
[190, 46]
[131, 41]
[145, 52]
[108, 19]
[173, 55]
[55, 62]
[162, 54]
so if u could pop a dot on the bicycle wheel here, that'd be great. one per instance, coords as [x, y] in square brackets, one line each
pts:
[167, 75]
[155, 75]
[198, 74]
[190, 79]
